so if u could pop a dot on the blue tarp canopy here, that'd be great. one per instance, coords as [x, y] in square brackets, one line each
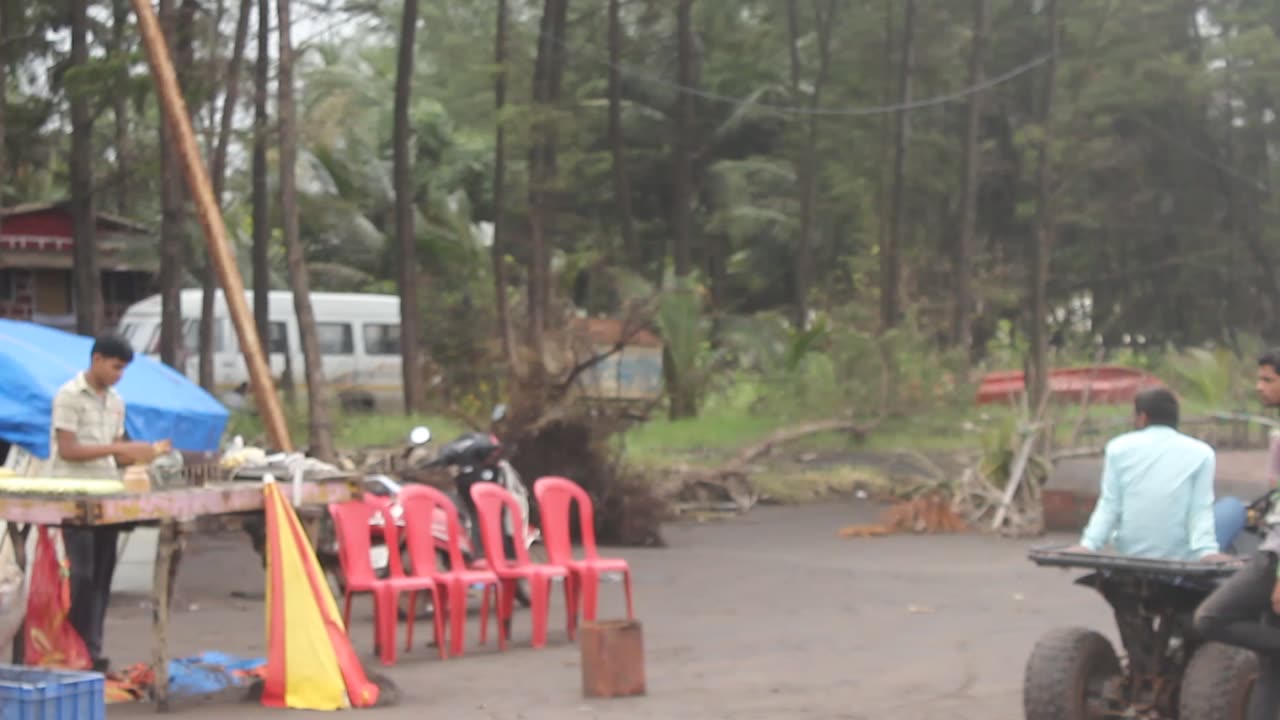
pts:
[160, 402]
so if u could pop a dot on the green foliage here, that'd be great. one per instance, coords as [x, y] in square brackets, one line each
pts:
[351, 431]
[687, 353]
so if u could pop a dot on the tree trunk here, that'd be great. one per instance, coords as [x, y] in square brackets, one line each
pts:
[962, 267]
[172, 235]
[402, 159]
[548, 69]
[621, 179]
[891, 254]
[499, 249]
[537, 194]
[807, 163]
[120, 110]
[1042, 240]
[884, 176]
[262, 200]
[682, 180]
[317, 397]
[88, 283]
[219, 173]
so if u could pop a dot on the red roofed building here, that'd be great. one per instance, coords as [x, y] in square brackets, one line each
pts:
[36, 262]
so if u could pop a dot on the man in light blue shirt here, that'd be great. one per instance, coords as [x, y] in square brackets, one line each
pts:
[1157, 491]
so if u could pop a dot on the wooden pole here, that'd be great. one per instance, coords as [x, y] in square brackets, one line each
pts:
[175, 112]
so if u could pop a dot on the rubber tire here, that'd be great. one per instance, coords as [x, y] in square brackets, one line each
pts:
[1061, 663]
[1217, 682]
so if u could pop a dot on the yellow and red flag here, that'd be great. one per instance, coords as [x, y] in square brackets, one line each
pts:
[310, 662]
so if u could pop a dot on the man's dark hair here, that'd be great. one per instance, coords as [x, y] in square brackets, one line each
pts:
[1159, 405]
[1270, 358]
[112, 347]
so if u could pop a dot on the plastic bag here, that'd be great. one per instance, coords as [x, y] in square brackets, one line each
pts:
[51, 641]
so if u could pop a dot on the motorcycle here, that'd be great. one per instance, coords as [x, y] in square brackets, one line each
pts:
[476, 457]
[479, 457]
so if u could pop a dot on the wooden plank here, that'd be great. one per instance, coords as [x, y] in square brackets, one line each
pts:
[185, 504]
[182, 504]
[40, 510]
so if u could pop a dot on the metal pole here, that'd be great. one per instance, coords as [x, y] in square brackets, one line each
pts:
[175, 112]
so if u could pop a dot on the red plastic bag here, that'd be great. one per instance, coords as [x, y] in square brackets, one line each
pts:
[51, 641]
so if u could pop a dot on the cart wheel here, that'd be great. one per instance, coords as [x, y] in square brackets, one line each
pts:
[1067, 676]
[1217, 683]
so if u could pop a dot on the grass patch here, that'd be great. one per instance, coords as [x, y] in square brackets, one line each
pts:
[716, 435]
[351, 430]
[709, 436]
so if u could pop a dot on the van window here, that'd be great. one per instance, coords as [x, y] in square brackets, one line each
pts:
[278, 342]
[191, 336]
[8, 285]
[381, 339]
[335, 338]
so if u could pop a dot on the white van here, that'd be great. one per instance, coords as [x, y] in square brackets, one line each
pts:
[358, 333]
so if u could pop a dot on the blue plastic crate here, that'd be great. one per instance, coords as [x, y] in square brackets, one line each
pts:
[28, 693]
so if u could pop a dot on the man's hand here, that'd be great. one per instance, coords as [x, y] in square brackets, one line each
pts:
[1078, 549]
[133, 453]
[1275, 599]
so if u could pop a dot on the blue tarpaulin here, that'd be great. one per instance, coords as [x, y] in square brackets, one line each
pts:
[209, 672]
[160, 402]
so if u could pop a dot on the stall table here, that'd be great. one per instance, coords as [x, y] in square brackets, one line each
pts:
[175, 510]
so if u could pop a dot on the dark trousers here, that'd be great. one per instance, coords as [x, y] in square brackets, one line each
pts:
[92, 554]
[1239, 613]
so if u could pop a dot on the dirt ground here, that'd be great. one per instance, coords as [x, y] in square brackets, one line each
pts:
[763, 616]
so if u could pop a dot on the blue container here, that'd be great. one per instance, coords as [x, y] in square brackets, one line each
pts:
[28, 693]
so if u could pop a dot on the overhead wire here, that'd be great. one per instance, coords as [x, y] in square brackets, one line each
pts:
[800, 110]
[632, 72]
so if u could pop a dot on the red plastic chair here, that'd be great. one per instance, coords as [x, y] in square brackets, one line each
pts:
[351, 523]
[556, 496]
[490, 501]
[420, 503]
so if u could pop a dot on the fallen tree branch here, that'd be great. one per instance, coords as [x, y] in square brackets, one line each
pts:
[1073, 453]
[731, 476]
[791, 434]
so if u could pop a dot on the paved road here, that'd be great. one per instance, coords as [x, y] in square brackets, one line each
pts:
[765, 616]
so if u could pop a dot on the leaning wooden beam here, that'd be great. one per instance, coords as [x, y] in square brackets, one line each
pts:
[1016, 471]
[215, 231]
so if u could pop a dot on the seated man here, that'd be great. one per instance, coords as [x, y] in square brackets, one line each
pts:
[1157, 491]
